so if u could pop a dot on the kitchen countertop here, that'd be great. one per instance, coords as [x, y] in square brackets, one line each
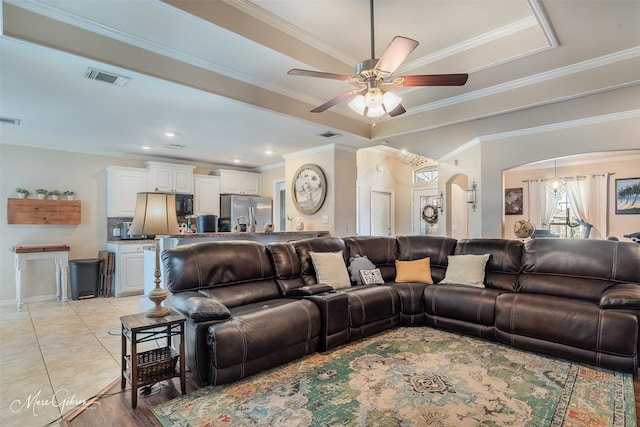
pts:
[132, 242]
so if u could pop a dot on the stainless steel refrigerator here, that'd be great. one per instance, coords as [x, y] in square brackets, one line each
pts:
[236, 208]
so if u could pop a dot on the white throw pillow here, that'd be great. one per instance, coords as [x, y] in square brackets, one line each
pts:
[330, 269]
[466, 270]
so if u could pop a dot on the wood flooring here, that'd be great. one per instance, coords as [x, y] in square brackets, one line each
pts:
[113, 407]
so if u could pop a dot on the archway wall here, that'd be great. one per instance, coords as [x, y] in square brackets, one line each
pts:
[484, 158]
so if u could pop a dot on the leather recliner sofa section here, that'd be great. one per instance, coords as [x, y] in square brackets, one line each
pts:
[251, 307]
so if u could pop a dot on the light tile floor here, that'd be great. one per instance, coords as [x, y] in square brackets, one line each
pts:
[54, 355]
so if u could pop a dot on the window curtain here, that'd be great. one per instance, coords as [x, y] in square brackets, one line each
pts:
[588, 198]
[542, 205]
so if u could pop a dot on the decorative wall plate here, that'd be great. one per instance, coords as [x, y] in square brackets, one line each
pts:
[309, 188]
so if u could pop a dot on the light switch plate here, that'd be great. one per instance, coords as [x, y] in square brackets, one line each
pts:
[116, 232]
[325, 219]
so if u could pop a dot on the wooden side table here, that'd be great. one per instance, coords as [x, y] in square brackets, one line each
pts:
[149, 367]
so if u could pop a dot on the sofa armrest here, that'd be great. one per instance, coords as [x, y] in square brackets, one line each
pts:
[625, 296]
[308, 290]
[198, 307]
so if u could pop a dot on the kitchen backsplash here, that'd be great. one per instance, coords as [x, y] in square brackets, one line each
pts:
[114, 223]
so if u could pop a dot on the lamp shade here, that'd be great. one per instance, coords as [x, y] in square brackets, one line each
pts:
[155, 214]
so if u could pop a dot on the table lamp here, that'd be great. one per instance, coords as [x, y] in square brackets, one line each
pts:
[155, 214]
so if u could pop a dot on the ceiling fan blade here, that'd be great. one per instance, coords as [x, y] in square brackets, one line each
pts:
[432, 80]
[335, 101]
[320, 74]
[397, 111]
[397, 51]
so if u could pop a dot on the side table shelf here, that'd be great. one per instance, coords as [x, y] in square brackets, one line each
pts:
[149, 367]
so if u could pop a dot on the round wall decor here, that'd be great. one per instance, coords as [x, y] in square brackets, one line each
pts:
[430, 214]
[309, 188]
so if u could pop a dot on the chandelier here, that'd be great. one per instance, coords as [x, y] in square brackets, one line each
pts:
[556, 185]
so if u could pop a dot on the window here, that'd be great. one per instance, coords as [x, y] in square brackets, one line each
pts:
[564, 221]
[426, 174]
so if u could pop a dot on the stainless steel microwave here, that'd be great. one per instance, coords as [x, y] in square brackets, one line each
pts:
[184, 204]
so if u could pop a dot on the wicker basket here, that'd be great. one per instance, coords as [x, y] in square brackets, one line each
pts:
[156, 362]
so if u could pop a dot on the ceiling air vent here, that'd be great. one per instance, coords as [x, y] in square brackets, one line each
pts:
[176, 146]
[103, 76]
[9, 121]
[330, 134]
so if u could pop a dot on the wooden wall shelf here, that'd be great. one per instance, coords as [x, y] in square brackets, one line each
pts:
[34, 211]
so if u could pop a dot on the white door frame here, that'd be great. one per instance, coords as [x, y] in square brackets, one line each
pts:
[276, 203]
[416, 214]
[388, 191]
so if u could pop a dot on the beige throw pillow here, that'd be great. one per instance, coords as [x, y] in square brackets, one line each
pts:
[330, 269]
[418, 271]
[466, 270]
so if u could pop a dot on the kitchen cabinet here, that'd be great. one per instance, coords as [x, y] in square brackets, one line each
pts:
[129, 272]
[238, 182]
[123, 184]
[169, 177]
[206, 195]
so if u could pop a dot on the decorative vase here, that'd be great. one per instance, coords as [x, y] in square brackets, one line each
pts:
[70, 197]
[21, 195]
[40, 196]
[53, 197]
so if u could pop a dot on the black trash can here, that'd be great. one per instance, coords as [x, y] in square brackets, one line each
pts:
[85, 277]
[207, 223]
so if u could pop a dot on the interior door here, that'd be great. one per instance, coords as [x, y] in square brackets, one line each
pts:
[420, 199]
[381, 212]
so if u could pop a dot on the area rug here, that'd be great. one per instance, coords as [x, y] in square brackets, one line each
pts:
[415, 377]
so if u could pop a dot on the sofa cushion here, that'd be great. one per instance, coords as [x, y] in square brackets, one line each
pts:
[330, 269]
[356, 264]
[198, 307]
[626, 296]
[436, 248]
[504, 265]
[466, 270]
[418, 271]
[381, 251]
[577, 268]
[315, 244]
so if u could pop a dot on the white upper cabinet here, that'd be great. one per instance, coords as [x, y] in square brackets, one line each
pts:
[169, 177]
[238, 182]
[206, 195]
[123, 185]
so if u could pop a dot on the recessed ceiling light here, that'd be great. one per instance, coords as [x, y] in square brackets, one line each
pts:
[268, 151]
[169, 134]
[146, 147]
[236, 160]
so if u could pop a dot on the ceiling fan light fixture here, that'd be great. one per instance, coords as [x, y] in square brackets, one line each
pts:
[390, 100]
[375, 111]
[357, 104]
[373, 98]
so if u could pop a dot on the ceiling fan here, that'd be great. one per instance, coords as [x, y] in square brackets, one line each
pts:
[371, 75]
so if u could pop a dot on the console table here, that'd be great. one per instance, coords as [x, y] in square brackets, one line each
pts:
[60, 255]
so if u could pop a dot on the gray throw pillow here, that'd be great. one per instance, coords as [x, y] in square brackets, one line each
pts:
[358, 263]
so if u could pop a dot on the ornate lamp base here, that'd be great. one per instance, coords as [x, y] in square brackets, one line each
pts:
[157, 295]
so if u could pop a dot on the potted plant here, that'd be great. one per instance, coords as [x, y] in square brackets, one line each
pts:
[22, 193]
[53, 195]
[41, 193]
[68, 194]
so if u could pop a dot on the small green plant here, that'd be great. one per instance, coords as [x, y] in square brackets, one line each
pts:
[42, 191]
[68, 193]
[55, 193]
[22, 191]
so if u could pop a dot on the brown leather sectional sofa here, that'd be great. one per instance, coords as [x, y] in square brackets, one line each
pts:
[251, 307]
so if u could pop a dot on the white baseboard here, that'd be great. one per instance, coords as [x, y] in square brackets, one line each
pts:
[28, 300]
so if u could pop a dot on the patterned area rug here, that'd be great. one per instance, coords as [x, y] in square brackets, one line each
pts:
[415, 377]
